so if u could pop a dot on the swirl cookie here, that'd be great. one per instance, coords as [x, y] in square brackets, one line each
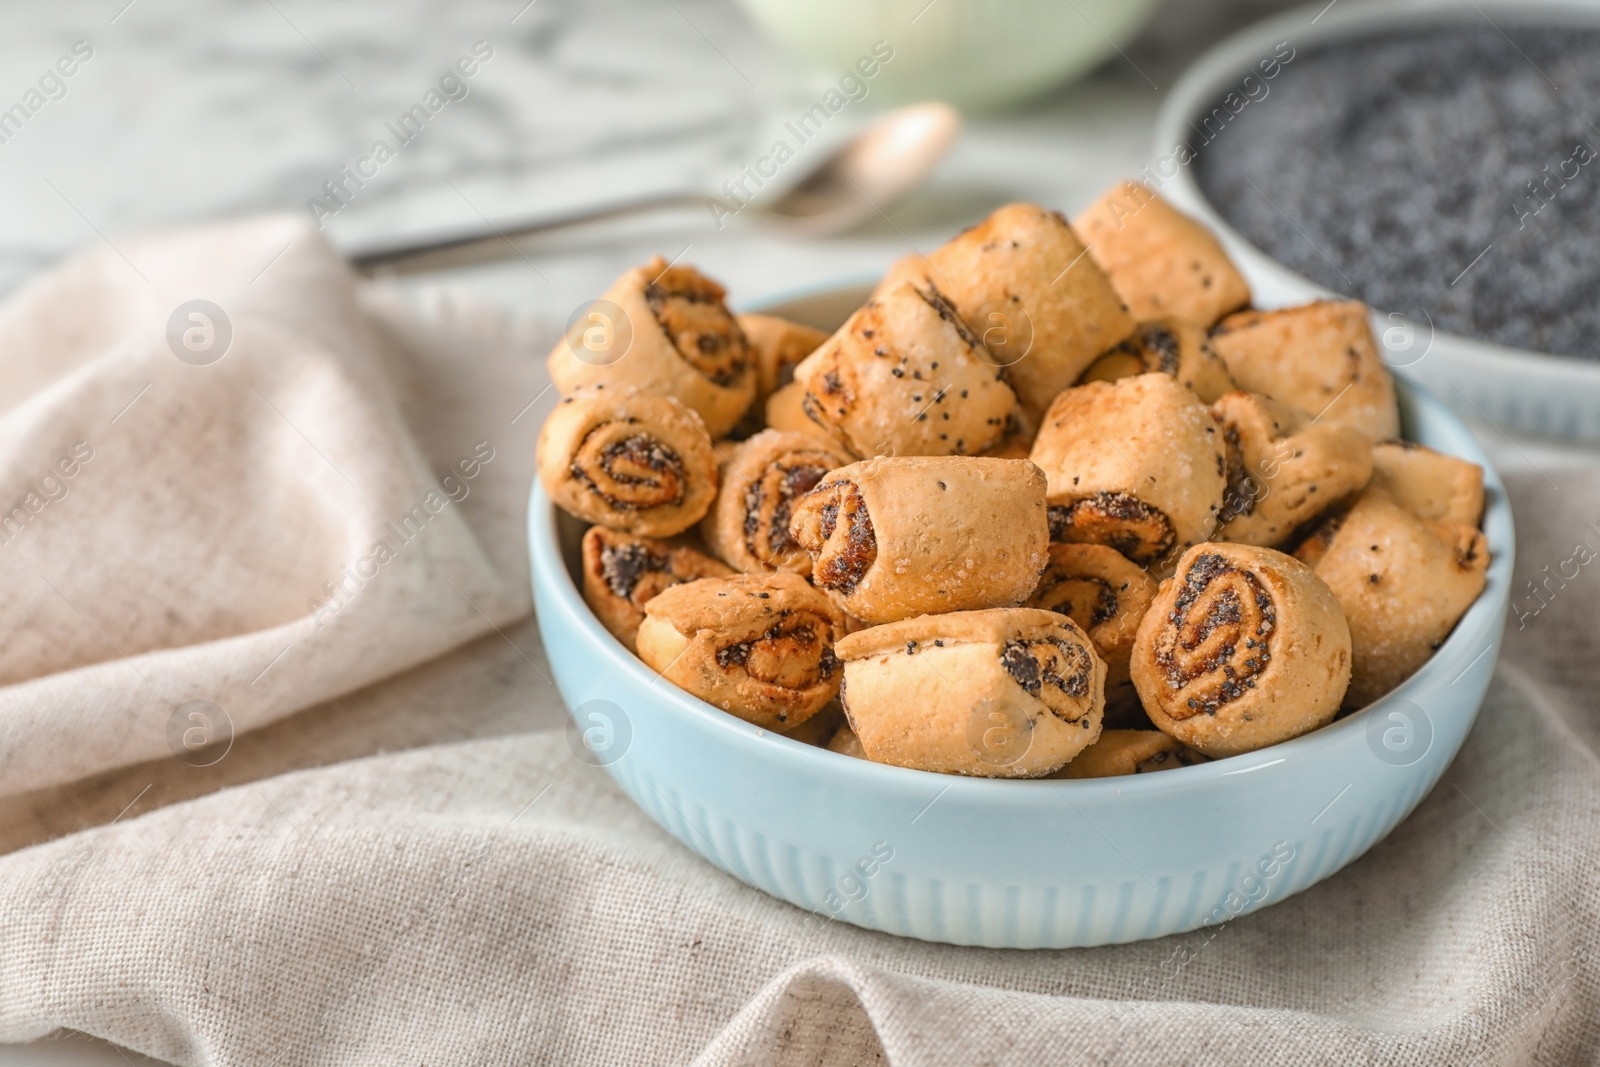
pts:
[1429, 484]
[1283, 469]
[1318, 357]
[1244, 647]
[1120, 752]
[1402, 582]
[758, 646]
[893, 538]
[622, 573]
[904, 376]
[763, 477]
[665, 329]
[1170, 346]
[1002, 693]
[628, 459]
[1041, 306]
[1162, 263]
[1137, 464]
[1102, 591]
[777, 346]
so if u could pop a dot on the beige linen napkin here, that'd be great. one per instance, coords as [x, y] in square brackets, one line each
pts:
[492, 900]
[235, 510]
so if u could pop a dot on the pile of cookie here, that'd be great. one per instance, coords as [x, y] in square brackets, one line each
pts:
[1054, 502]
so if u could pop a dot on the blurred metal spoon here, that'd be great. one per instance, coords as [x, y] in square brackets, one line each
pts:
[872, 170]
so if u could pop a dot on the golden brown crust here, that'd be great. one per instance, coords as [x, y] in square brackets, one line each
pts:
[777, 346]
[1429, 484]
[1005, 692]
[670, 333]
[904, 376]
[1162, 263]
[1402, 582]
[1167, 346]
[628, 459]
[1040, 304]
[758, 646]
[762, 479]
[1283, 469]
[1102, 591]
[893, 538]
[1120, 752]
[1244, 647]
[622, 573]
[1136, 464]
[912, 268]
[1318, 357]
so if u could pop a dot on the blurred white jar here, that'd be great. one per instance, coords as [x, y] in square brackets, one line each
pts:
[976, 54]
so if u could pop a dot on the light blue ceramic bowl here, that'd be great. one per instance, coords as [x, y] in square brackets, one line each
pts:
[1019, 864]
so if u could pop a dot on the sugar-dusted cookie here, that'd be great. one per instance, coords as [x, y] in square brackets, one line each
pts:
[627, 458]
[1244, 647]
[904, 376]
[893, 538]
[1283, 469]
[1002, 693]
[1429, 484]
[1042, 307]
[1120, 752]
[1319, 357]
[1167, 346]
[1137, 464]
[664, 329]
[621, 573]
[1403, 582]
[757, 645]
[762, 478]
[1163, 263]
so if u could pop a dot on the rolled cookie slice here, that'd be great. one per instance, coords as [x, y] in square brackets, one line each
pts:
[904, 376]
[1319, 357]
[757, 646]
[1002, 693]
[1137, 464]
[1283, 469]
[1162, 262]
[1120, 752]
[1402, 582]
[1429, 484]
[777, 346]
[622, 573]
[748, 526]
[1102, 591]
[1244, 647]
[909, 268]
[1042, 307]
[893, 538]
[628, 459]
[1169, 346]
[664, 329]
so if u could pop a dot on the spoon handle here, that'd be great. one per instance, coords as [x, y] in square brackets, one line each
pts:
[491, 242]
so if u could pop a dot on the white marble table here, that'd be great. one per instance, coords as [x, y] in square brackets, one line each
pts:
[187, 112]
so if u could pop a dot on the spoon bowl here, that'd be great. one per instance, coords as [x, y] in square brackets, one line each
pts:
[858, 181]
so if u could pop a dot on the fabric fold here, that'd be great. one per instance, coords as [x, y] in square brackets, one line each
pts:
[220, 502]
